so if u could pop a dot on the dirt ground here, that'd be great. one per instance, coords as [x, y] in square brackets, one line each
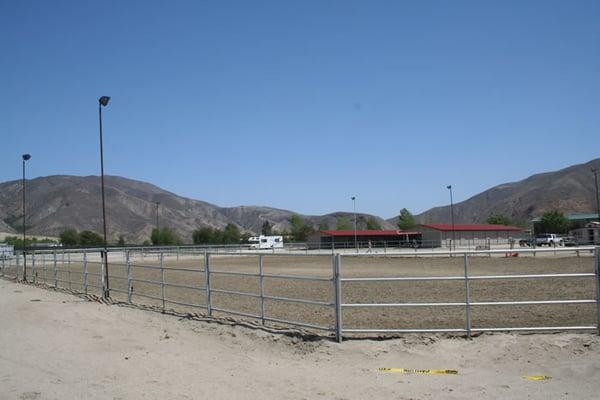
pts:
[363, 292]
[59, 346]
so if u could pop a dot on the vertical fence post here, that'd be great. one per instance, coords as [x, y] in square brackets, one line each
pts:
[44, 267]
[85, 273]
[129, 285]
[262, 288]
[33, 271]
[18, 266]
[2, 272]
[102, 269]
[162, 280]
[55, 270]
[597, 270]
[207, 282]
[337, 284]
[467, 295]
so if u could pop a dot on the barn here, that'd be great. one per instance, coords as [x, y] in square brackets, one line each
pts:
[468, 235]
[341, 239]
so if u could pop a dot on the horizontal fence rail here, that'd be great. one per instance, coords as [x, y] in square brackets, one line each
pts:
[192, 279]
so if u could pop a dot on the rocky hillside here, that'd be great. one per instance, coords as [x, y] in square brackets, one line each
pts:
[55, 203]
[568, 190]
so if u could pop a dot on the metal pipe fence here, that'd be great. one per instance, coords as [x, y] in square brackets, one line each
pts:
[201, 279]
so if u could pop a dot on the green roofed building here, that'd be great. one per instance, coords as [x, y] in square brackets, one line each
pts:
[579, 220]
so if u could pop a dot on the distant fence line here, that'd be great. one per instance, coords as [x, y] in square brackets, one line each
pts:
[86, 268]
[360, 245]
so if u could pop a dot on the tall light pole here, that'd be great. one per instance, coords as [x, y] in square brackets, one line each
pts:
[449, 187]
[103, 102]
[25, 157]
[595, 171]
[355, 239]
[157, 205]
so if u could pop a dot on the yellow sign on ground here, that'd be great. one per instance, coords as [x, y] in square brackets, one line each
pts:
[420, 371]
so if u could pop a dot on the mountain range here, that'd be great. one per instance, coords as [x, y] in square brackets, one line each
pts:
[55, 203]
[569, 190]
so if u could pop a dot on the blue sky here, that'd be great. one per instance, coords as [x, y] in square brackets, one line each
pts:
[300, 105]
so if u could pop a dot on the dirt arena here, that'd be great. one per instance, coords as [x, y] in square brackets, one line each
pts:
[362, 292]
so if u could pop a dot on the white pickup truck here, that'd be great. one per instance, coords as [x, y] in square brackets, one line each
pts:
[548, 239]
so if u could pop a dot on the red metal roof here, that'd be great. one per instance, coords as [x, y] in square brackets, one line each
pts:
[471, 227]
[368, 232]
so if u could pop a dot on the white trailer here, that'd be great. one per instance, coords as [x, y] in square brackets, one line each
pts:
[6, 251]
[266, 242]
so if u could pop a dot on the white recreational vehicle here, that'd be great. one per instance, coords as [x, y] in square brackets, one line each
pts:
[6, 251]
[266, 242]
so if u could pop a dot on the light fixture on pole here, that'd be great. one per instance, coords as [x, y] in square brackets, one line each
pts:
[449, 187]
[103, 102]
[25, 157]
[595, 172]
[157, 226]
[355, 238]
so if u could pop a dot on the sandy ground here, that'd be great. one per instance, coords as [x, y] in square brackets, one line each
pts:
[59, 346]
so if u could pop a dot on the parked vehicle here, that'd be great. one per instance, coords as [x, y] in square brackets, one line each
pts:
[266, 242]
[526, 242]
[6, 251]
[548, 239]
[570, 241]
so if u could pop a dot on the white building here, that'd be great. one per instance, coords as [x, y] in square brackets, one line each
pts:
[588, 235]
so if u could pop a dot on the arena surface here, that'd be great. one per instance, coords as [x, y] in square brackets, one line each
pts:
[363, 292]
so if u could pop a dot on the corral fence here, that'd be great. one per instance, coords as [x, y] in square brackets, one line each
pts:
[266, 286]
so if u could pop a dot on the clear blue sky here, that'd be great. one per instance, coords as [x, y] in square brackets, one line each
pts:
[302, 104]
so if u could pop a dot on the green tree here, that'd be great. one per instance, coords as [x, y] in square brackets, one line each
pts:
[17, 241]
[344, 223]
[89, 238]
[406, 220]
[231, 234]
[499, 219]
[121, 241]
[69, 237]
[554, 222]
[245, 237]
[267, 228]
[204, 235]
[164, 237]
[373, 224]
[300, 228]
[323, 226]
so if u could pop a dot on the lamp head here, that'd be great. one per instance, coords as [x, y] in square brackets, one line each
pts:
[104, 100]
[26, 157]
[449, 187]
[353, 197]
